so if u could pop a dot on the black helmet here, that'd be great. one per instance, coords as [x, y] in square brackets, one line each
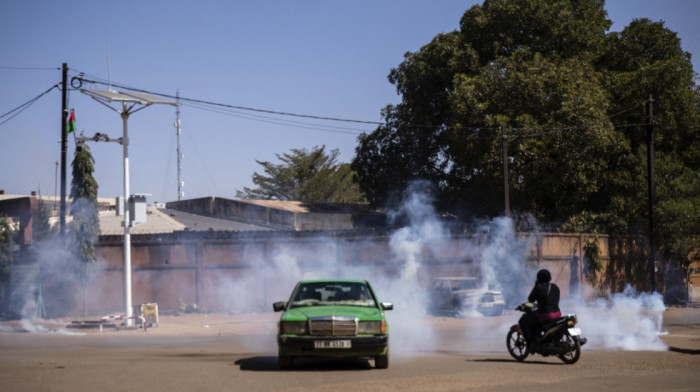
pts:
[543, 276]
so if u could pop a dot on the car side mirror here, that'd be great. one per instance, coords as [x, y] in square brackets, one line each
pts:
[387, 306]
[279, 306]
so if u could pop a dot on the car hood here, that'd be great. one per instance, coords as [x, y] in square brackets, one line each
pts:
[476, 292]
[305, 312]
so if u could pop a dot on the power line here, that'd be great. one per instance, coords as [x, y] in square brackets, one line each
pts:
[19, 109]
[32, 68]
[269, 120]
[626, 110]
[227, 109]
[238, 107]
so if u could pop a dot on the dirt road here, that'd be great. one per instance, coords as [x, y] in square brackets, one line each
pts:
[207, 352]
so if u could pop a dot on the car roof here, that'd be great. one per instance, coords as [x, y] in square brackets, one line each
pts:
[333, 281]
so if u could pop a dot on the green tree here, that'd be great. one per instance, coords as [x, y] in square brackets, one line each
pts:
[645, 59]
[6, 258]
[85, 227]
[41, 227]
[7, 245]
[307, 176]
[570, 98]
[522, 65]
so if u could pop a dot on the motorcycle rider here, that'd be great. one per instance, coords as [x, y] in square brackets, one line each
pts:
[546, 295]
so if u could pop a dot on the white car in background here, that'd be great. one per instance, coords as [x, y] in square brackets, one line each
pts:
[461, 295]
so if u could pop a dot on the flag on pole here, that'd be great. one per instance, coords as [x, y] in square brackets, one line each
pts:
[70, 125]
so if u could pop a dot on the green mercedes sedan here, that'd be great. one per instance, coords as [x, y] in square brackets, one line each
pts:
[333, 318]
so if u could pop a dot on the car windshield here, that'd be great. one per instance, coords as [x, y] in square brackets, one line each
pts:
[333, 293]
[465, 284]
[456, 284]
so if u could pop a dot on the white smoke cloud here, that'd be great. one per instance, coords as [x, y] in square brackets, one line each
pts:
[627, 321]
[501, 258]
[49, 287]
[34, 326]
[411, 331]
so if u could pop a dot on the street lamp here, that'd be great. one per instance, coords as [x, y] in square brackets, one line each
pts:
[131, 102]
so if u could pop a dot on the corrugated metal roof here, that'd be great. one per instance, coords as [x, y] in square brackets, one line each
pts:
[156, 222]
[196, 222]
[293, 206]
[161, 220]
[103, 201]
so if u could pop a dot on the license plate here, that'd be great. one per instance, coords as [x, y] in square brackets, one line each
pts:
[487, 305]
[332, 344]
[575, 331]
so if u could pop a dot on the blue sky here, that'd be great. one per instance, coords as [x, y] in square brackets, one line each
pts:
[322, 58]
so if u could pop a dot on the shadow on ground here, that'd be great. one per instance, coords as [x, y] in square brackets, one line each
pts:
[683, 350]
[501, 360]
[269, 363]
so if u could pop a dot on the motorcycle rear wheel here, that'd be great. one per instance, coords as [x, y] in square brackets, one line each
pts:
[517, 347]
[572, 356]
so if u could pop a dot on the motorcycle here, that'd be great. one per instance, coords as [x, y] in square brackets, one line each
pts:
[559, 337]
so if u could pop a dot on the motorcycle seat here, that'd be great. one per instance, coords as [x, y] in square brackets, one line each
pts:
[553, 323]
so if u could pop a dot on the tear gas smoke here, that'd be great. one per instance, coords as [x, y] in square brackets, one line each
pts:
[626, 321]
[497, 255]
[411, 332]
[48, 288]
[500, 260]
[501, 257]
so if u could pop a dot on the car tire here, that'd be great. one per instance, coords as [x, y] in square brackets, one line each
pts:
[285, 362]
[457, 309]
[493, 313]
[382, 361]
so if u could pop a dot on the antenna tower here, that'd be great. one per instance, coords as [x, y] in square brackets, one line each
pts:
[180, 183]
[109, 63]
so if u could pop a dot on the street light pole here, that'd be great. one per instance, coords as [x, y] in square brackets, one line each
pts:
[128, 100]
[128, 304]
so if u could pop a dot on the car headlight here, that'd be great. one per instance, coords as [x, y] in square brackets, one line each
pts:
[371, 327]
[293, 327]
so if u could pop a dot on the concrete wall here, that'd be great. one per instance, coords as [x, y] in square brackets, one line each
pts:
[245, 273]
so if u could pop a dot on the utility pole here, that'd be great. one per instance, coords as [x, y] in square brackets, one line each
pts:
[180, 184]
[506, 190]
[650, 177]
[64, 147]
[55, 189]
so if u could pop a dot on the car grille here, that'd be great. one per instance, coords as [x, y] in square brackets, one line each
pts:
[488, 297]
[333, 326]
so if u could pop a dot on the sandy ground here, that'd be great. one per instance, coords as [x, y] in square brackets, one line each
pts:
[681, 325]
[211, 352]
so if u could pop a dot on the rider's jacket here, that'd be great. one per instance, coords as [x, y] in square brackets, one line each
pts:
[546, 294]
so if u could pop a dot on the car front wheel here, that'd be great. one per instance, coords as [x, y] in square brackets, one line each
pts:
[382, 361]
[284, 362]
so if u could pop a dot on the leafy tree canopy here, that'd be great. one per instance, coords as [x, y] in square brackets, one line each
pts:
[568, 97]
[6, 248]
[85, 227]
[83, 184]
[308, 176]
[41, 228]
